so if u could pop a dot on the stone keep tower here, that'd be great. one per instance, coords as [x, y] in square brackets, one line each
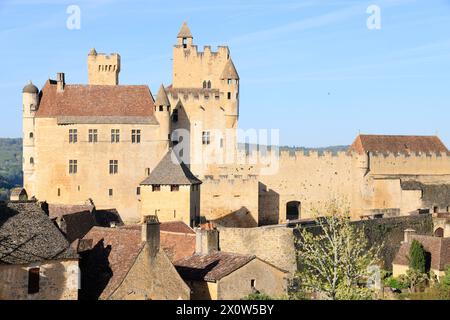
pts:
[30, 104]
[162, 114]
[103, 69]
[212, 77]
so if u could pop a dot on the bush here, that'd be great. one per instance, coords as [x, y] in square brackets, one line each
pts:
[417, 257]
[258, 296]
[396, 283]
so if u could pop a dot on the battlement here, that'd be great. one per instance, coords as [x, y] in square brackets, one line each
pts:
[103, 69]
[207, 52]
[193, 94]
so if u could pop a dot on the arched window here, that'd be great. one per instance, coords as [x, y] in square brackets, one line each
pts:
[31, 135]
[32, 161]
[439, 232]
[204, 84]
[209, 84]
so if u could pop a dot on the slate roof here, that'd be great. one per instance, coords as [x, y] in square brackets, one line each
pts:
[229, 71]
[16, 192]
[438, 247]
[77, 225]
[106, 264]
[171, 171]
[99, 103]
[105, 217]
[27, 235]
[59, 210]
[184, 31]
[30, 88]
[398, 144]
[211, 267]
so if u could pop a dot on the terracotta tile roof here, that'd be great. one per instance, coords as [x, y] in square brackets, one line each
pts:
[105, 266]
[211, 267]
[171, 171]
[27, 235]
[438, 247]
[96, 101]
[398, 144]
[59, 210]
[176, 226]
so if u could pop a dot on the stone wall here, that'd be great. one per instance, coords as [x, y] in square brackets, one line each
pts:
[272, 244]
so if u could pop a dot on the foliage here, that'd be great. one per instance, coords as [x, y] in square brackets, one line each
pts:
[335, 263]
[396, 283]
[417, 257]
[10, 165]
[258, 296]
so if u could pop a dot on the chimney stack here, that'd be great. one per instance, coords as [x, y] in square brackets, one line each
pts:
[60, 82]
[206, 241]
[407, 235]
[150, 234]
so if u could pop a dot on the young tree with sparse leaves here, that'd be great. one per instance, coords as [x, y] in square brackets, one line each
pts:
[335, 262]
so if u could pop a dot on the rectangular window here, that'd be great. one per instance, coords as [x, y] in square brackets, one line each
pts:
[156, 187]
[252, 283]
[93, 135]
[110, 192]
[147, 171]
[115, 135]
[206, 137]
[229, 95]
[73, 135]
[138, 191]
[113, 166]
[136, 136]
[175, 115]
[59, 192]
[230, 81]
[174, 187]
[73, 166]
[33, 280]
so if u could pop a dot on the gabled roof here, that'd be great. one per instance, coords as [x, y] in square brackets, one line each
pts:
[161, 98]
[27, 235]
[438, 247]
[171, 171]
[184, 31]
[211, 267]
[59, 210]
[96, 102]
[107, 263]
[229, 71]
[76, 225]
[398, 144]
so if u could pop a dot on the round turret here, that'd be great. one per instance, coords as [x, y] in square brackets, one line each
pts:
[30, 88]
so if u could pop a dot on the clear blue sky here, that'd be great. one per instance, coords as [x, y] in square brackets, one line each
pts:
[310, 68]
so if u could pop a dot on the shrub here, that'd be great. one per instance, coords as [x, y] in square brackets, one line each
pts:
[417, 257]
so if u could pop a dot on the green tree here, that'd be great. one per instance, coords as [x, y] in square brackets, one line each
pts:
[417, 257]
[335, 262]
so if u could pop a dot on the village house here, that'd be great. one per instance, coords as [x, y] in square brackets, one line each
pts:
[36, 261]
[437, 248]
[127, 264]
[215, 275]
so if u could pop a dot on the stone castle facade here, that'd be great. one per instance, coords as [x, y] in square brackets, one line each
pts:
[101, 140]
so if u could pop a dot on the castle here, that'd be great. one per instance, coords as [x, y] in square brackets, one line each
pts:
[101, 142]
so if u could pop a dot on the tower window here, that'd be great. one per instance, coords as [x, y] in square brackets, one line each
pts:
[33, 280]
[156, 187]
[31, 135]
[93, 135]
[136, 136]
[174, 187]
[32, 161]
[73, 166]
[138, 191]
[175, 115]
[206, 137]
[59, 192]
[113, 166]
[229, 95]
[209, 84]
[204, 84]
[230, 81]
[73, 135]
[147, 171]
[110, 192]
[161, 108]
[115, 135]
[184, 41]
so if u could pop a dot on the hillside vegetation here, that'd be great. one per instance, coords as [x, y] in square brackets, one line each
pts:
[10, 165]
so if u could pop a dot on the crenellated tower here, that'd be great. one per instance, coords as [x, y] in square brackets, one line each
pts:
[103, 69]
[30, 104]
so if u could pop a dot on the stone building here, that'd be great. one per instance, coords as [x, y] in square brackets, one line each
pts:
[171, 192]
[101, 140]
[36, 261]
[128, 264]
[217, 275]
[437, 248]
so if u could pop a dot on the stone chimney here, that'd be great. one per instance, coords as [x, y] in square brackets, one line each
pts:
[60, 82]
[407, 235]
[150, 234]
[206, 241]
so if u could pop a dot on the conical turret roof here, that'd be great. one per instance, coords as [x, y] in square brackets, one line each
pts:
[161, 97]
[229, 71]
[184, 31]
